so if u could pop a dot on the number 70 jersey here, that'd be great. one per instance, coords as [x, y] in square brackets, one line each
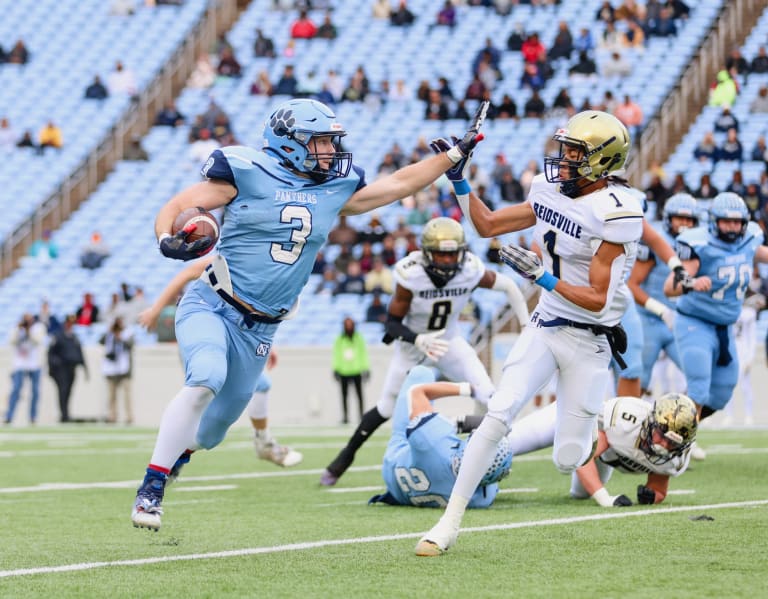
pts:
[570, 231]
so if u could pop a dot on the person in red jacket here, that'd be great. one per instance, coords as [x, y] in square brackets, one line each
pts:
[303, 27]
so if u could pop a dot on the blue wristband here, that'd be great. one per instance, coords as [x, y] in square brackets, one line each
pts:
[461, 188]
[547, 280]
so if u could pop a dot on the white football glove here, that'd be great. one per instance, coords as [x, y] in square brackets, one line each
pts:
[525, 262]
[431, 344]
[603, 499]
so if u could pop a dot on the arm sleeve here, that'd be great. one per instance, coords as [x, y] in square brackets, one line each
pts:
[395, 329]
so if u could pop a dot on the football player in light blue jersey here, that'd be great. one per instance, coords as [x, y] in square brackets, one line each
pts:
[279, 204]
[656, 310]
[424, 452]
[721, 259]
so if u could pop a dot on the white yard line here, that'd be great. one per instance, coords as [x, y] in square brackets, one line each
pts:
[359, 540]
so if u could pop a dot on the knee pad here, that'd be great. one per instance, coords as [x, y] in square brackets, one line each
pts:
[567, 457]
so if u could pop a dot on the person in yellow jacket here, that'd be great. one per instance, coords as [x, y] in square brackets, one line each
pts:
[350, 364]
[724, 92]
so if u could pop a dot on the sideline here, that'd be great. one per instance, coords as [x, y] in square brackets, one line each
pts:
[359, 540]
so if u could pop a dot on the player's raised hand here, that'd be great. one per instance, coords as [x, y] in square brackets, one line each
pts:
[458, 172]
[178, 248]
[524, 262]
[682, 278]
[431, 344]
[463, 147]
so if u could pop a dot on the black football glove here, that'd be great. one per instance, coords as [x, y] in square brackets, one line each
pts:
[463, 147]
[178, 248]
[645, 495]
[682, 277]
[622, 501]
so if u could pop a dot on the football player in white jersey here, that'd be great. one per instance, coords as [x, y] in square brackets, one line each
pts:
[588, 224]
[634, 436]
[432, 287]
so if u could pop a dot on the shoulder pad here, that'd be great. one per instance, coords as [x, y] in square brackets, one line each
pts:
[754, 230]
[616, 203]
[473, 264]
[409, 266]
[694, 237]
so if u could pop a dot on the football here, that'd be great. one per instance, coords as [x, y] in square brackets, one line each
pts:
[205, 223]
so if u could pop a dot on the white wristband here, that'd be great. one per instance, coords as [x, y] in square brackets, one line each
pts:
[455, 155]
[655, 306]
[674, 262]
[163, 236]
[465, 389]
[602, 498]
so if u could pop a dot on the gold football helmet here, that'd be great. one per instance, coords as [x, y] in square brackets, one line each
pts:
[674, 421]
[443, 248]
[604, 143]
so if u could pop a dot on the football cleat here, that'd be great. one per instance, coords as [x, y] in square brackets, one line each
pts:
[147, 508]
[698, 453]
[328, 478]
[438, 540]
[277, 454]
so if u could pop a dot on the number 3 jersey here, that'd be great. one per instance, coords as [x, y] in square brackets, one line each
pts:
[621, 421]
[569, 233]
[433, 308]
[275, 225]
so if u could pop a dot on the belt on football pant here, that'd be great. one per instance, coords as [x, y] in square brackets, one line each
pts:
[616, 336]
[250, 315]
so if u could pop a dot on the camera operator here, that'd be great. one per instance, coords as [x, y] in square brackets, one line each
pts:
[116, 367]
[27, 342]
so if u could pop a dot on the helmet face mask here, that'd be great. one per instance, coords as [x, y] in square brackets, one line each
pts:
[681, 205]
[498, 469]
[443, 249]
[728, 206]
[295, 130]
[670, 429]
[593, 145]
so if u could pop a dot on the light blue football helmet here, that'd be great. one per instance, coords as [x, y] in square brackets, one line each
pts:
[289, 129]
[728, 205]
[499, 468]
[680, 204]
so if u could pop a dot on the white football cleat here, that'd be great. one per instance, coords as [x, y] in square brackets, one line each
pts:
[438, 540]
[277, 454]
[697, 453]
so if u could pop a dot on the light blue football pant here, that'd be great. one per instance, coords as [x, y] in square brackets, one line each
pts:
[634, 354]
[657, 337]
[708, 384]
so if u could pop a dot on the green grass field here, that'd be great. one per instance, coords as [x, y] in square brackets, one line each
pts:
[236, 526]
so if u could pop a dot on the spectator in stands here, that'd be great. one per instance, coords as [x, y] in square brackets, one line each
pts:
[327, 29]
[169, 115]
[706, 148]
[116, 367]
[446, 16]
[611, 40]
[754, 200]
[122, 81]
[51, 322]
[487, 74]
[460, 111]
[287, 83]
[376, 310]
[488, 53]
[343, 233]
[228, 64]
[327, 285]
[493, 253]
[303, 27]
[562, 46]
[204, 74]
[562, 101]
[516, 38]
[400, 92]
[44, 249]
[262, 86]
[290, 48]
[510, 189]
[534, 107]
[606, 12]
[201, 149]
[679, 185]
[27, 341]
[351, 280]
[88, 312]
[475, 90]
[122, 8]
[737, 62]
[706, 190]
[724, 91]
[760, 103]
[96, 90]
[222, 131]
[381, 9]
[634, 37]
[629, 113]
[118, 308]
[26, 141]
[731, 148]
[584, 42]
[585, 68]
[422, 91]
[665, 24]
[373, 231]
[507, 109]
[726, 120]
[531, 77]
[658, 193]
[135, 151]
[737, 184]
[358, 86]
[7, 135]
[65, 354]
[760, 151]
[533, 51]
[18, 54]
[50, 136]
[263, 47]
[212, 114]
[402, 16]
[379, 278]
[616, 66]
[350, 365]
[526, 177]
[759, 64]
[93, 255]
[436, 109]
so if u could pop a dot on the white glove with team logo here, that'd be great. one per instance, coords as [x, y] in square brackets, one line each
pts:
[431, 344]
[525, 262]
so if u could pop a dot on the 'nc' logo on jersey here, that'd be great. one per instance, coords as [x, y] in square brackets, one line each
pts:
[263, 349]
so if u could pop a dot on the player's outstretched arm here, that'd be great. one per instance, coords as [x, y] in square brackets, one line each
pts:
[148, 317]
[590, 479]
[420, 397]
[206, 194]
[654, 490]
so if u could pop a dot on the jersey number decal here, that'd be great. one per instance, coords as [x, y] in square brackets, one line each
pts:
[299, 235]
[615, 199]
[550, 238]
[440, 313]
[413, 479]
[629, 417]
[729, 274]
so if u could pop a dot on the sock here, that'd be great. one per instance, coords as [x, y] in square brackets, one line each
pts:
[478, 455]
[370, 421]
[179, 424]
[263, 436]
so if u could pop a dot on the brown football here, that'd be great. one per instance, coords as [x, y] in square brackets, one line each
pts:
[205, 224]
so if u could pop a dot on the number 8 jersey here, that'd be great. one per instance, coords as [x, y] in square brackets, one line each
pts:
[569, 232]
